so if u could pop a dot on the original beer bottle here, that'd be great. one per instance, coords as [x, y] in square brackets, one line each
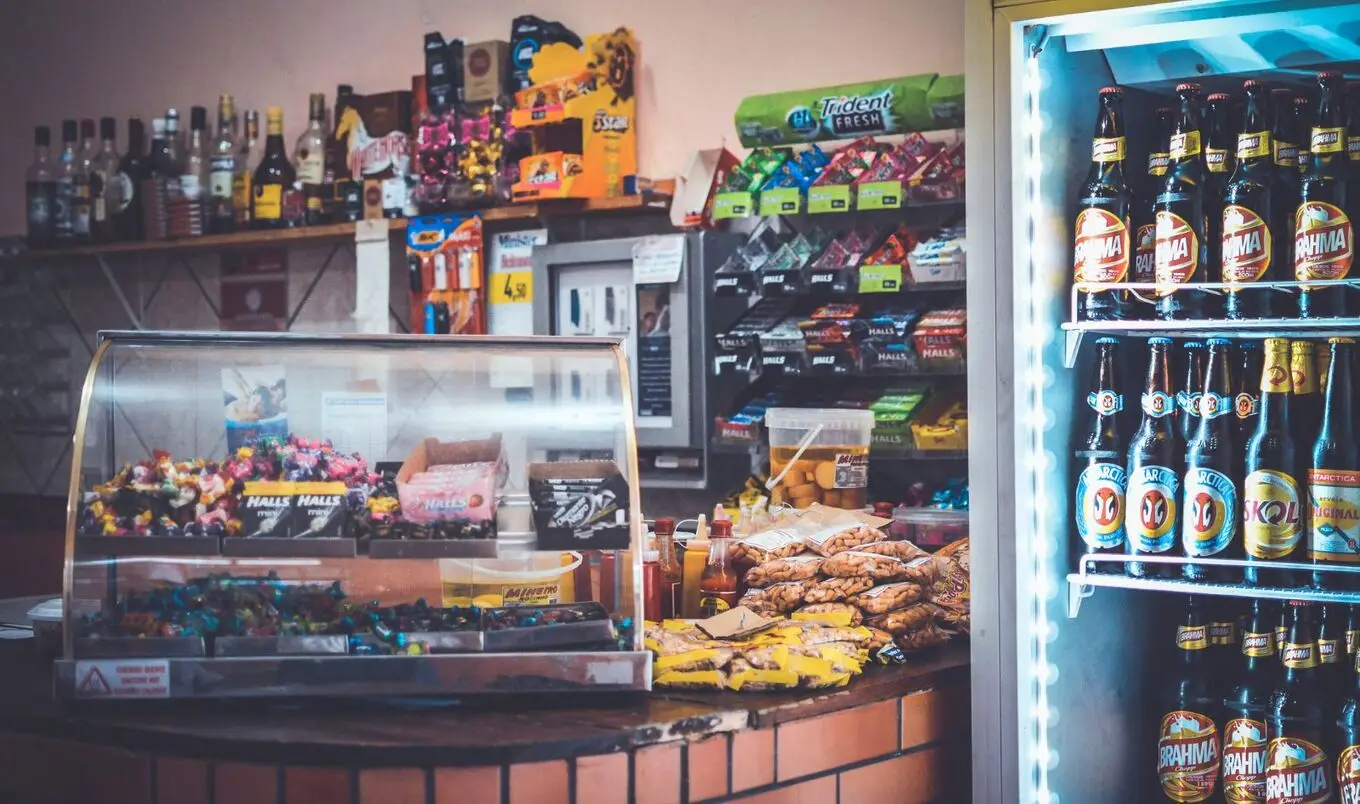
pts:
[1323, 235]
[1192, 385]
[1210, 503]
[1218, 168]
[1182, 253]
[1347, 742]
[1248, 249]
[1297, 765]
[1188, 738]
[1272, 524]
[1145, 239]
[1103, 226]
[1332, 649]
[1245, 708]
[1154, 469]
[1101, 476]
[1247, 401]
[1334, 475]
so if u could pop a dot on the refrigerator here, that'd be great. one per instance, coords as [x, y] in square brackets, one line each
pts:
[1062, 672]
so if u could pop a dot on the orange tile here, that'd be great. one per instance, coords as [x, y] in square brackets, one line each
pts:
[602, 779]
[912, 779]
[116, 775]
[241, 783]
[708, 768]
[391, 786]
[752, 759]
[34, 767]
[467, 785]
[539, 783]
[934, 715]
[316, 785]
[821, 743]
[181, 781]
[656, 774]
[813, 791]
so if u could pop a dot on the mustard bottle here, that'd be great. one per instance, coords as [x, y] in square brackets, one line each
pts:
[696, 558]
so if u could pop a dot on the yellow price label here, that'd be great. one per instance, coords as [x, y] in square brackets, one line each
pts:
[512, 288]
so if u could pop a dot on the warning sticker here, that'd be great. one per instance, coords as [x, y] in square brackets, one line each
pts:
[123, 678]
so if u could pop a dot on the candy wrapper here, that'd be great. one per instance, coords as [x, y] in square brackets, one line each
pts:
[579, 505]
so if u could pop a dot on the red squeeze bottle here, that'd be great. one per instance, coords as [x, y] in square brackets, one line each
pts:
[718, 583]
[654, 587]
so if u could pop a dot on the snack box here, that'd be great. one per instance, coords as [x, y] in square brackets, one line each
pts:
[942, 258]
[942, 335]
[462, 485]
[930, 528]
[948, 432]
[893, 412]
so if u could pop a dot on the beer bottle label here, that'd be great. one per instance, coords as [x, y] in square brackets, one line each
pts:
[1100, 505]
[1244, 760]
[1329, 651]
[1177, 254]
[1335, 494]
[1212, 405]
[1348, 774]
[1353, 148]
[1323, 247]
[1158, 404]
[1258, 646]
[1211, 512]
[1300, 655]
[1102, 247]
[268, 202]
[1327, 141]
[1297, 772]
[1188, 402]
[1145, 254]
[1107, 149]
[1187, 756]
[1246, 245]
[1192, 637]
[1286, 154]
[1105, 402]
[1158, 163]
[1271, 525]
[1152, 499]
[1246, 405]
[1221, 633]
[1185, 145]
[1216, 159]
[1253, 144]
[1350, 640]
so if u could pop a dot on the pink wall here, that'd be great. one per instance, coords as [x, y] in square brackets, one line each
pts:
[86, 58]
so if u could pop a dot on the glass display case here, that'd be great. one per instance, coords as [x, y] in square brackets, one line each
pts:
[270, 514]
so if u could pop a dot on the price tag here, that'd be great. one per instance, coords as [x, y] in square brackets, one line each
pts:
[830, 198]
[732, 205]
[880, 278]
[880, 195]
[512, 287]
[781, 201]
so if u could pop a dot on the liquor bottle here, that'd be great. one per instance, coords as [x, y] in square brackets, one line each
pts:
[40, 191]
[193, 179]
[1348, 734]
[72, 219]
[1334, 475]
[1332, 649]
[1211, 505]
[1182, 253]
[1102, 230]
[1187, 398]
[1099, 457]
[124, 197]
[337, 169]
[105, 188]
[85, 153]
[1297, 766]
[1247, 400]
[241, 195]
[162, 158]
[1272, 521]
[1323, 240]
[1245, 707]
[222, 170]
[1248, 251]
[309, 157]
[1154, 474]
[1218, 168]
[1188, 738]
[718, 583]
[174, 143]
[272, 177]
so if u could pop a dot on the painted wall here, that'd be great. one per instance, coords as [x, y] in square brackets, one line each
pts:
[87, 58]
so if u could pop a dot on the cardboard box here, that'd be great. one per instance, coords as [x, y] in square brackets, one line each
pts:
[484, 69]
[420, 505]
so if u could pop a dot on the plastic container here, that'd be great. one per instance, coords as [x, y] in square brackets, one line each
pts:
[833, 468]
[46, 619]
[929, 528]
[485, 582]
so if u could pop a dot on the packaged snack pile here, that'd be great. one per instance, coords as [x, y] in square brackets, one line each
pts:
[941, 258]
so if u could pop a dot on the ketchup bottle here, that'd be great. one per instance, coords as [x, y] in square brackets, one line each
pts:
[718, 583]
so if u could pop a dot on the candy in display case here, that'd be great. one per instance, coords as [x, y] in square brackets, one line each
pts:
[416, 529]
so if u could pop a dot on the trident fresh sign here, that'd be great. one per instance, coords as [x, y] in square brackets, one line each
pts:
[891, 106]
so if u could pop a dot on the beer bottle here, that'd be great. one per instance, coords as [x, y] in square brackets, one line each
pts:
[1353, 142]
[1210, 503]
[1223, 640]
[1245, 707]
[1145, 239]
[1154, 468]
[1348, 735]
[1187, 398]
[1352, 631]
[1307, 404]
[1188, 738]
[1334, 476]
[1284, 616]
[1248, 250]
[1101, 477]
[1218, 167]
[1272, 525]
[1331, 649]
[1182, 253]
[1297, 766]
[1285, 143]
[1323, 247]
[1102, 231]
[1247, 401]
[1303, 126]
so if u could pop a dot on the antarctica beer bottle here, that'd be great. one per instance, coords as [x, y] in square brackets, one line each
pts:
[1154, 474]
[1101, 477]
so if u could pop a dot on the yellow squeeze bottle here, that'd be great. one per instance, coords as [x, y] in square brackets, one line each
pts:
[696, 557]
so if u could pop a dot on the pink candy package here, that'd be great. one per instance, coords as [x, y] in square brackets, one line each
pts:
[441, 481]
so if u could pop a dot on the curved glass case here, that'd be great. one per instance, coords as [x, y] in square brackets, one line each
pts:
[260, 514]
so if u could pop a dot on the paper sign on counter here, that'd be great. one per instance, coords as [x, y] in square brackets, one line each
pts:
[658, 259]
[123, 678]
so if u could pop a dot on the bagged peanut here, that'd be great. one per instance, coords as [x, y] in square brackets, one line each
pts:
[886, 598]
[835, 590]
[779, 570]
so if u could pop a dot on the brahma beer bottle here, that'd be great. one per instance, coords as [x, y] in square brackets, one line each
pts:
[1210, 503]
[1272, 525]
[1188, 739]
[1218, 168]
[1334, 475]
[1182, 254]
[1247, 401]
[1248, 250]
[1245, 707]
[1352, 630]
[1285, 145]
[1223, 640]
[1154, 469]
[1145, 239]
[1101, 477]
[1187, 398]
[1323, 238]
[1297, 766]
[1348, 736]
[1332, 649]
[1102, 230]
[1303, 126]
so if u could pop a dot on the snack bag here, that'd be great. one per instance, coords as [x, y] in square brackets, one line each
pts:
[888, 597]
[902, 550]
[952, 593]
[908, 619]
[779, 570]
[829, 613]
[696, 659]
[860, 564]
[835, 590]
[767, 546]
[692, 679]
[922, 638]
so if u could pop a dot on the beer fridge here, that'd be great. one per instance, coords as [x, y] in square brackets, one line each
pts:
[1065, 665]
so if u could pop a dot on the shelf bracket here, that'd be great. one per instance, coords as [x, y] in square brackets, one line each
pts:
[1076, 592]
[1072, 346]
[118, 293]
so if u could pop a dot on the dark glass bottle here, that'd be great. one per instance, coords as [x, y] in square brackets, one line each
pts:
[1249, 253]
[132, 171]
[1218, 168]
[1324, 237]
[1188, 737]
[1192, 385]
[1154, 464]
[1245, 707]
[1102, 238]
[1296, 756]
[1303, 126]
[1272, 520]
[1101, 479]
[273, 177]
[1182, 252]
[1334, 474]
[1347, 742]
[1332, 649]
[1145, 214]
[40, 191]
[1247, 400]
[1211, 508]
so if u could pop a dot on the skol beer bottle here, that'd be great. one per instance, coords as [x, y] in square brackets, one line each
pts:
[1272, 522]
[1334, 475]
[1348, 735]
[1250, 253]
[1245, 707]
[1297, 764]
[1103, 227]
[1210, 505]
[1101, 476]
[1188, 738]
[1154, 468]
[1182, 253]
[1247, 401]
[1145, 238]
[1323, 234]
[1192, 385]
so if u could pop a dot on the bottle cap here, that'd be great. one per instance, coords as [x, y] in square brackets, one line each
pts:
[1301, 101]
[651, 556]
[1251, 83]
[1218, 97]
[274, 111]
[198, 117]
[1112, 90]
[1194, 345]
[87, 129]
[1219, 342]
[1340, 340]
[108, 128]
[158, 126]
[1159, 341]
[42, 135]
[663, 525]
[68, 130]
[1188, 86]
[1329, 76]
[1106, 340]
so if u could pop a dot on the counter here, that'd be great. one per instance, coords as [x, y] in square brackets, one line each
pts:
[896, 734]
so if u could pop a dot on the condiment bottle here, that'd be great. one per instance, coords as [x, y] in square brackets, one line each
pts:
[671, 571]
[718, 583]
[653, 586]
[696, 556]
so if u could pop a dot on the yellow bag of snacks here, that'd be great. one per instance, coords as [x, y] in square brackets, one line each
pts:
[765, 657]
[698, 659]
[692, 679]
[829, 613]
[756, 680]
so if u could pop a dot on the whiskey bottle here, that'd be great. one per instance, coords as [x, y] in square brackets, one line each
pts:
[193, 179]
[40, 190]
[222, 170]
[72, 219]
[105, 189]
[273, 177]
[309, 157]
[123, 198]
[241, 195]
